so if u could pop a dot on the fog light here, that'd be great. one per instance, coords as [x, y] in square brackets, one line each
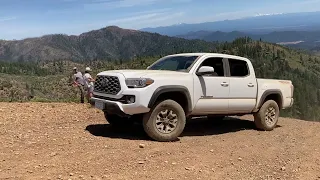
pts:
[130, 99]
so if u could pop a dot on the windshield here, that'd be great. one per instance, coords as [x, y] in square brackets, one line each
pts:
[174, 63]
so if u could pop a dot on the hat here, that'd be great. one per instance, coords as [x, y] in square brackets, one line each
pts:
[75, 68]
[88, 69]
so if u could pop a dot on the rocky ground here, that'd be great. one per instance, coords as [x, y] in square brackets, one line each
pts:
[72, 141]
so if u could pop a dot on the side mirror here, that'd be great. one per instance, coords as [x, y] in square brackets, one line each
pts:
[205, 70]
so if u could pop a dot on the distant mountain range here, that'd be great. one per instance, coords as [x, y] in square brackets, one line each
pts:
[110, 43]
[274, 37]
[306, 21]
[309, 40]
[114, 43]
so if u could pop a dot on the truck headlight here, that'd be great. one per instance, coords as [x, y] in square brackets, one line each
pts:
[138, 82]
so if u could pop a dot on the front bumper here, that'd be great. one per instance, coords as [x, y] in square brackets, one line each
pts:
[116, 103]
[118, 108]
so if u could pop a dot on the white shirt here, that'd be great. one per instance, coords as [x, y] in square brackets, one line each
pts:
[79, 78]
[87, 76]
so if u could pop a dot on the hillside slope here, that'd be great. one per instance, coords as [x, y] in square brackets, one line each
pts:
[277, 62]
[72, 141]
[109, 43]
[20, 82]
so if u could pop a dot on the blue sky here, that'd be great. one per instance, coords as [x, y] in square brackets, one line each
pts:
[30, 18]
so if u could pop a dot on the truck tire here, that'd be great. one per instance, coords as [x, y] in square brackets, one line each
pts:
[165, 121]
[267, 117]
[116, 120]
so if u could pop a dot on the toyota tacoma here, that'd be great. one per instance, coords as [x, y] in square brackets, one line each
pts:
[180, 86]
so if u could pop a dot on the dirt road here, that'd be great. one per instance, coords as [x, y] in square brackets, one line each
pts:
[72, 141]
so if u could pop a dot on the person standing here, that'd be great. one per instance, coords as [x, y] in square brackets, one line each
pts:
[79, 82]
[88, 83]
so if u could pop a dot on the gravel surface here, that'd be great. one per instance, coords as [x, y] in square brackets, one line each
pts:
[74, 141]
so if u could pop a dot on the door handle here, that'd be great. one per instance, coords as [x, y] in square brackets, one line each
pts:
[224, 84]
[251, 85]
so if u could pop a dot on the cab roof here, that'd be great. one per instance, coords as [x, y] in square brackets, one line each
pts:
[210, 54]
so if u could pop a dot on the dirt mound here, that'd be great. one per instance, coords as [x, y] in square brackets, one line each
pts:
[72, 141]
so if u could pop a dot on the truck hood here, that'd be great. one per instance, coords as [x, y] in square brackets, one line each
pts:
[143, 73]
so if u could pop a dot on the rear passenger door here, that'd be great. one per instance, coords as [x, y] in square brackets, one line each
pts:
[243, 87]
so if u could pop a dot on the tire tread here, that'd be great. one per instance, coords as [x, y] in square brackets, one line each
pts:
[259, 117]
[151, 130]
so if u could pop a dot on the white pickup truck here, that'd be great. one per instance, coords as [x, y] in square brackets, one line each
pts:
[180, 86]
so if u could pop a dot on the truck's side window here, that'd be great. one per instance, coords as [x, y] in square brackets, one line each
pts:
[216, 63]
[238, 68]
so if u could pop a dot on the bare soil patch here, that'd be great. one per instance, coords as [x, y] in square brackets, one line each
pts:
[74, 141]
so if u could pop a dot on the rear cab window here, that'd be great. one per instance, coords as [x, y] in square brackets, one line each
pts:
[238, 68]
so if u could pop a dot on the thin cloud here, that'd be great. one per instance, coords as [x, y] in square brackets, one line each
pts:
[145, 20]
[136, 18]
[140, 16]
[107, 4]
[308, 2]
[102, 4]
[2, 19]
[79, 6]
[145, 13]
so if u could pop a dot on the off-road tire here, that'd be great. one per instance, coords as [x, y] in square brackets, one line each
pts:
[118, 121]
[150, 119]
[261, 119]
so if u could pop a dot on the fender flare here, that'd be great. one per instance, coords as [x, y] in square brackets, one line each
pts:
[170, 88]
[270, 92]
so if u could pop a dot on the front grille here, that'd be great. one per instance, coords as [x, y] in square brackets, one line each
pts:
[107, 84]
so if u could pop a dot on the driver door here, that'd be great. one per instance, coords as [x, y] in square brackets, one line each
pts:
[211, 92]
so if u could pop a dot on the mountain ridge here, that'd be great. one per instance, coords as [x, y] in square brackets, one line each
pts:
[307, 40]
[109, 43]
[256, 24]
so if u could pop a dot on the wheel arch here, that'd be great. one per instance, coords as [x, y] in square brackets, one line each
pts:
[175, 92]
[272, 94]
